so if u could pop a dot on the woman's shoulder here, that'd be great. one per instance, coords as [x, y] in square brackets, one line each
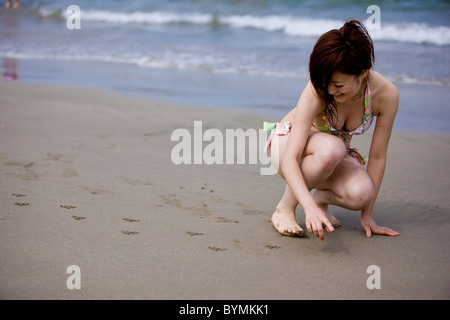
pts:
[309, 101]
[383, 91]
[379, 85]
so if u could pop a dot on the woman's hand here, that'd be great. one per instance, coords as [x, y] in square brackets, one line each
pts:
[314, 220]
[372, 228]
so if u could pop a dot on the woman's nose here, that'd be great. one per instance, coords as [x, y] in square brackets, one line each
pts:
[332, 89]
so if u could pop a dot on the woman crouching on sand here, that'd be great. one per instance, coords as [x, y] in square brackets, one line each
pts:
[311, 145]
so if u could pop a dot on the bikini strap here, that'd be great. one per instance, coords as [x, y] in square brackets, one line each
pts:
[368, 99]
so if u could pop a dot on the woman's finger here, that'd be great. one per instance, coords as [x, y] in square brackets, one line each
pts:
[387, 231]
[308, 226]
[368, 231]
[328, 226]
[320, 231]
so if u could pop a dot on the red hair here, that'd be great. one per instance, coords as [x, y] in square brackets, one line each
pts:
[348, 50]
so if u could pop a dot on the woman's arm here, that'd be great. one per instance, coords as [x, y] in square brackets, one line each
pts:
[387, 110]
[308, 107]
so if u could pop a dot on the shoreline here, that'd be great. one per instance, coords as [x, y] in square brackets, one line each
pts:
[422, 106]
[87, 180]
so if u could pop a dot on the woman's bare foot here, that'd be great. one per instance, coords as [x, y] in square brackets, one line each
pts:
[323, 206]
[286, 224]
[333, 220]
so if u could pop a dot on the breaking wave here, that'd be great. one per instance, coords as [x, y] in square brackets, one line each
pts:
[295, 26]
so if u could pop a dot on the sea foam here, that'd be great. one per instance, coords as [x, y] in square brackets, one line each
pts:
[295, 26]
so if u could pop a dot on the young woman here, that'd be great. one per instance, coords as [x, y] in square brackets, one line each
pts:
[311, 145]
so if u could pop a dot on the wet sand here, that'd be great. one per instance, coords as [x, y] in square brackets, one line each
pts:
[87, 179]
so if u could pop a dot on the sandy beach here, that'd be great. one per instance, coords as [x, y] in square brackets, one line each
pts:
[87, 179]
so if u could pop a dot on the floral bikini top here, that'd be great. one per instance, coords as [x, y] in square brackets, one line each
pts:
[346, 136]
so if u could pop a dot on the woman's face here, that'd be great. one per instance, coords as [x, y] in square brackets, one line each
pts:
[344, 87]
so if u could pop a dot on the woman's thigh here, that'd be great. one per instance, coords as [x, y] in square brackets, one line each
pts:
[351, 183]
[326, 148]
[277, 148]
[348, 179]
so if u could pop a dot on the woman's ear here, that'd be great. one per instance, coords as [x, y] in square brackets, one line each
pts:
[364, 74]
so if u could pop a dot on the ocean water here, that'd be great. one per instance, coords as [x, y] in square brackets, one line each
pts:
[220, 43]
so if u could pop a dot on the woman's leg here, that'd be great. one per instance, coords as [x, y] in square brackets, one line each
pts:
[283, 218]
[350, 187]
[322, 155]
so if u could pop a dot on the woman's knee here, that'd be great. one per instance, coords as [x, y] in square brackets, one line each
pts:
[330, 153]
[359, 193]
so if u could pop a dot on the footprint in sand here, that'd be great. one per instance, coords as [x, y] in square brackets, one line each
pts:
[51, 156]
[78, 217]
[170, 199]
[134, 182]
[18, 195]
[67, 207]
[18, 163]
[217, 249]
[129, 233]
[130, 220]
[194, 234]
[272, 246]
[69, 173]
[246, 210]
[201, 209]
[54, 156]
[95, 190]
[28, 173]
[22, 204]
